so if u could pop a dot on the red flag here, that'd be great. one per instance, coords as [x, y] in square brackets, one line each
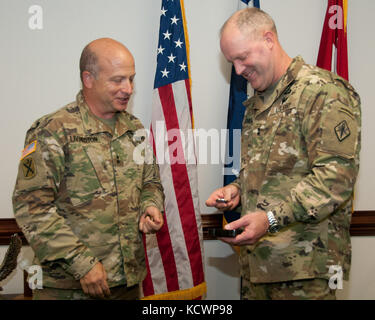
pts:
[334, 38]
[174, 256]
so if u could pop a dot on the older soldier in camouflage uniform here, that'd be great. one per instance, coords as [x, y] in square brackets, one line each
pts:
[80, 197]
[299, 163]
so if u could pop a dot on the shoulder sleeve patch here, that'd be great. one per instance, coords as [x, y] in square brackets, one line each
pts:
[340, 133]
[28, 168]
[29, 149]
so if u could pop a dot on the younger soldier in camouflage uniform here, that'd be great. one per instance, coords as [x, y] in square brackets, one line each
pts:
[299, 163]
[80, 198]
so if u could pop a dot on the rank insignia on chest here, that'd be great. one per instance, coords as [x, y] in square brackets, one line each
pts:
[28, 168]
[342, 131]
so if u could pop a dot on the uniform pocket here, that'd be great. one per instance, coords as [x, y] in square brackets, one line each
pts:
[285, 150]
[103, 168]
[82, 182]
[263, 138]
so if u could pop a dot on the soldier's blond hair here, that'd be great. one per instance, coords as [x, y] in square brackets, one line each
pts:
[252, 21]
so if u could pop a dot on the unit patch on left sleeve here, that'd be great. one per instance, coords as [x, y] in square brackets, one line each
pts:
[28, 168]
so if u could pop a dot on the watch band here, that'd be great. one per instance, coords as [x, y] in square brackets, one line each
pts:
[273, 224]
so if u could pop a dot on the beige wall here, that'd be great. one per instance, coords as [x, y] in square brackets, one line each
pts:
[40, 73]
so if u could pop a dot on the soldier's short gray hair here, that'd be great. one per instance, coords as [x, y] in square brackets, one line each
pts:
[89, 62]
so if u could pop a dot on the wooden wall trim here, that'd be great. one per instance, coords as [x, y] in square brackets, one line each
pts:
[214, 220]
[8, 227]
[363, 224]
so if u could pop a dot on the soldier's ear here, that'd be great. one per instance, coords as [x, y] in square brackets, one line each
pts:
[87, 79]
[269, 37]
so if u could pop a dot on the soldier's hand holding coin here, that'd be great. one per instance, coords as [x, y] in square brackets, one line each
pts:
[151, 220]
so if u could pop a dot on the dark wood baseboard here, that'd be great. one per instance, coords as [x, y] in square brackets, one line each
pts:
[363, 224]
[8, 227]
[18, 296]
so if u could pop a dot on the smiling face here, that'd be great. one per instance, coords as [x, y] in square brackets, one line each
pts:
[110, 89]
[251, 56]
[114, 84]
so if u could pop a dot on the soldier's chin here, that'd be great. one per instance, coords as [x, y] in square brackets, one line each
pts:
[256, 85]
[122, 103]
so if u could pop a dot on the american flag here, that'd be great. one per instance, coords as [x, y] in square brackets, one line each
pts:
[30, 148]
[174, 255]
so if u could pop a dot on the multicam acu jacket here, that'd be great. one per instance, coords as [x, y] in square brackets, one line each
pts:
[79, 195]
[300, 159]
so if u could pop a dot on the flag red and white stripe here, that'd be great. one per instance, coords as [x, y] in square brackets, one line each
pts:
[175, 253]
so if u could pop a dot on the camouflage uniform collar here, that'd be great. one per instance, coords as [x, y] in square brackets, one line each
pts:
[284, 82]
[93, 125]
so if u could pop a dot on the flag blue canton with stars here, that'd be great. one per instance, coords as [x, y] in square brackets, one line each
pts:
[171, 53]
[255, 3]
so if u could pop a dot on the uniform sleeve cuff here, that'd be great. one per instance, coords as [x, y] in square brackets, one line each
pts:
[235, 183]
[81, 265]
[147, 204]
[283, 214]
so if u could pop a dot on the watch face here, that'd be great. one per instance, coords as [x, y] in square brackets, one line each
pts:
[274, 228]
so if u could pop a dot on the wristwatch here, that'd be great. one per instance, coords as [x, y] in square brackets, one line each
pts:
[274, 226]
